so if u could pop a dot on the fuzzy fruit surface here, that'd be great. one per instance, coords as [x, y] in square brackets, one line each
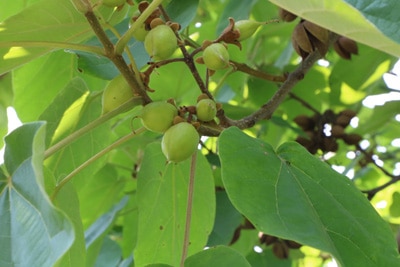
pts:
[113, 3]
[206, 110]
[158, 116]
[180, 142]
[246, 28]
[216, 56]
[160, 43]
[140, 33]
[115, 94]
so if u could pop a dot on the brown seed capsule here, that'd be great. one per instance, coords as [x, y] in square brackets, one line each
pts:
[280, 250]
[337, 130]
[305, 122]
[300, 41]
[343, 120]
[292, 244]
[286, 15]
[345, 47]
[318, 32]
[349, 113]
[329, 144]
[268, 239]
[308, 37]
[352, 139]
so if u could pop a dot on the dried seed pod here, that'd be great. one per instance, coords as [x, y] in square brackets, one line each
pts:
[318, 32]
[268, 239]
[292, 244]
[280, 250]
[305, 122]
[286, 15]
[343, 120]
[352, 139]
[300, 41]
[337, 130]
[308, 37]
[349, 113]
[345, 47]
[329, 144]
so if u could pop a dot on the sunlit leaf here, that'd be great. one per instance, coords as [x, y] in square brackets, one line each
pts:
[291, 194]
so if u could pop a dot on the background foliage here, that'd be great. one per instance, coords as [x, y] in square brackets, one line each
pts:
[69, 206]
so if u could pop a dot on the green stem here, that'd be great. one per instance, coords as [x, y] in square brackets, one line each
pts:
[120, 46]
[61, 45]
[186, 238]
[87, 128]
[94, 158]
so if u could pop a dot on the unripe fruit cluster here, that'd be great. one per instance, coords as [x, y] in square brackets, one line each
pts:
[317, 135]
[180, 140]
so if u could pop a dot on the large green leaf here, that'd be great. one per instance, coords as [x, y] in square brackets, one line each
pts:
[293, 195]
[24, 36]
[182, 11]
[40, 80]
[33, 232]
[344, 19]
[220, 256]
[383, 14]
[162, 200]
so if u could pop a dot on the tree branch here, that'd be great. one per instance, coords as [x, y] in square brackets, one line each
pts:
[116, 58]
[266, 111]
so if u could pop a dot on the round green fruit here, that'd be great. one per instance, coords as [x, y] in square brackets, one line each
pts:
[180, 142]
[140, 33]
[160, 43]
[246, 28]
[115, 94]
[113, 3]
[206, 109]
[216, 56]
[158, 116]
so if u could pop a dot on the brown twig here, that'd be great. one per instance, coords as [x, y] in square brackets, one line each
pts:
[303, 102]
[393, 178]
[256, 73]
[117, 59]
[266, 111]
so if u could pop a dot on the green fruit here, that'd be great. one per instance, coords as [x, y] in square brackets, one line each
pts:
[115, 94]
[140, 33]
[113, 3]
[206, 109]
[246, 28]
[160, 43]
[180, 142]
[158, 116]
[216, 56]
